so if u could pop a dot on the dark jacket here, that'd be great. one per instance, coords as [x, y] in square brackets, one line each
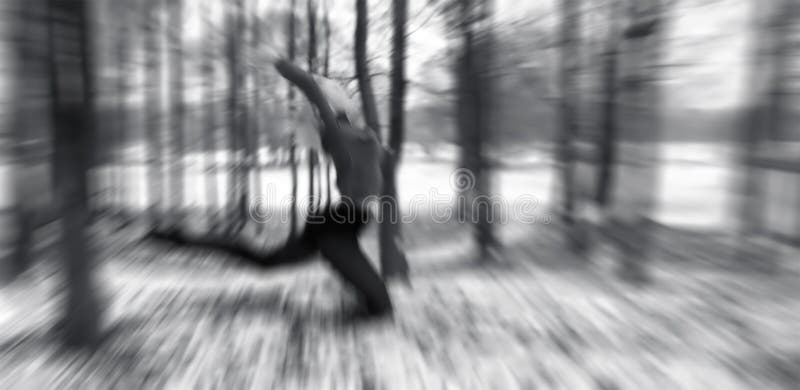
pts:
[356, 152]
[357, 155]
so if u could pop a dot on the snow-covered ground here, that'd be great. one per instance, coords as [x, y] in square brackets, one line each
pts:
[183, 318]
[695, 187]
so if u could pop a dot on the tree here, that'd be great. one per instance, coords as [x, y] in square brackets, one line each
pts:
[177, 110]
[15, 214]
[473, 108]
[290, 36]
[326, 63]
[393, 260]
[607, 140]
[237, 129]
[72, 131]
[256, 112]
[633, 218]
[122, 126]
[362, 68]
[210, 119]
[764, 121]
[314, 193]
[326, 25]
[568, 106]
[155, 165]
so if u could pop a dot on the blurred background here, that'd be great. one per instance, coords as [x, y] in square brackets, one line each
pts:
[594, 193]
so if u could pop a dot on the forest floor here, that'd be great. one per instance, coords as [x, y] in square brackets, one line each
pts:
[181, 318]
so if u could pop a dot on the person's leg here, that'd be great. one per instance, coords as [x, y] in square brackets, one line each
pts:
[340, 247]
[294, 251]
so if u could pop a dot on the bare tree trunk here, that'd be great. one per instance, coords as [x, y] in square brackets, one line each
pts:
[326, 22]
[362, 68]
[311, 13]
[644, 44]
[393, 260]
[487, 241]
[292, 139]
[474, 106]
[313, 191]
[258, 139]
[121, 128]
[243, 114]
[153, 108]
[178, 111]
[73, 115]
[607, 142]
[763, 119]
[15, 216]
[210, 119]
[568, 110]
[236, 114]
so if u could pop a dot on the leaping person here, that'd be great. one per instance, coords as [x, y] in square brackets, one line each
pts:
[357, 156]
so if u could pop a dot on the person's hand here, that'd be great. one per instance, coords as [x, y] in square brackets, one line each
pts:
[265, 57]
[270, 54]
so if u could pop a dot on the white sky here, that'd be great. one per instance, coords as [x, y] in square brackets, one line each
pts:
[709, 42]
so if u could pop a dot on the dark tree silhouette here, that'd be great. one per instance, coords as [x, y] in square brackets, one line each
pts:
[73, 113]
[393, 260]
[644, 46]
[237, 128]
[290, 36]
[362, 68]
[764, 121]
[314, 189]
[15, 212]
[473, 108]
[177, 111]
[257, 80]
[210, 118]
[122, 124]
[152, 26]
[568, 106]
[607, 139]
[326, 63]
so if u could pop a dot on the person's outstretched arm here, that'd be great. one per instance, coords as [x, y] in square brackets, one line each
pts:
[306, 83]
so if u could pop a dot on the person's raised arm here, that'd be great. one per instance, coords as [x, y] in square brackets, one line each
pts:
[306, 83]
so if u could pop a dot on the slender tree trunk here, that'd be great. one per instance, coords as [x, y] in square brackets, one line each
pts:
[153, 108]
[326, 22]
[362, 68]
[311, 13]
[292, 138]
[15, 214]
[607, 142]
[121, 128]
[393, 260]
[210, 119]
[178, 111]
[258, 138]
[73, 115]
[474, 106]
[242, 114]
[568, 111]
[763, 119]
[487, 241]
[313, 191]
[236, 113]
[644, 41]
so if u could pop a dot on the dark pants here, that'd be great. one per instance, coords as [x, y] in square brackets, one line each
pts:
[332, 232]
